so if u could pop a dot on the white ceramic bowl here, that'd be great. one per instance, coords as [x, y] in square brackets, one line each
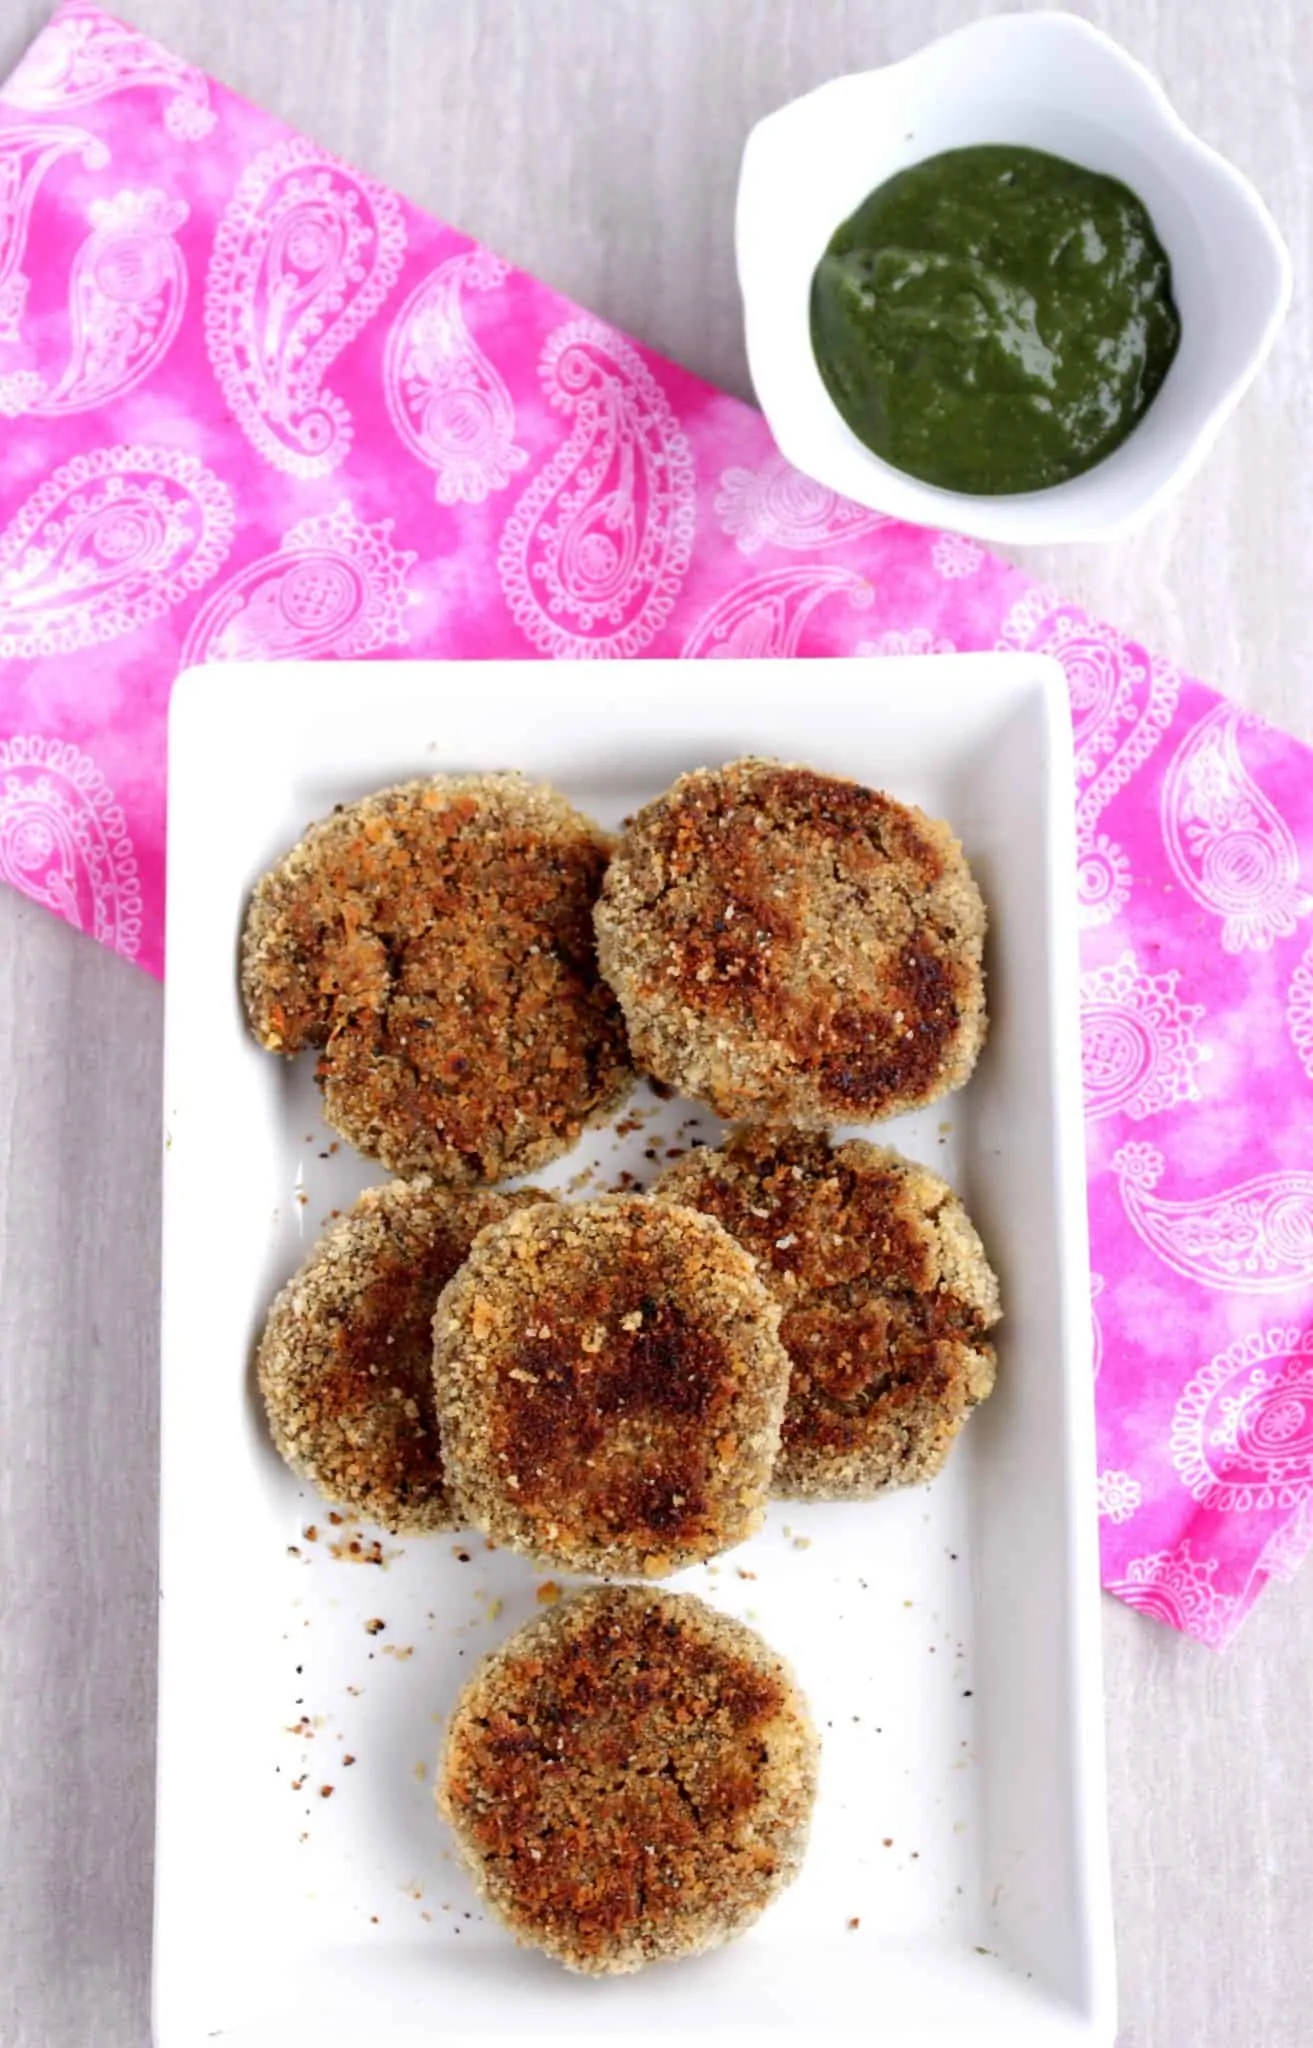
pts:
[1051, 82]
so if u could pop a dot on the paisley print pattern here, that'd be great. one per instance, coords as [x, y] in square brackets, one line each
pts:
[1299, 1011]
[114, 539]
[764, 618]
[1229, 847]
[1242, 1433]
[448, 403]
[1253, 1238]
[64, 840]
[1139, 1053]
[334, 587]
[27, 153]
[305, 255]
[594, 554]
[777, 506]
[127, 295]
[1096, 1353]
[1122, 702]
[1175, 1587]
[85, 56]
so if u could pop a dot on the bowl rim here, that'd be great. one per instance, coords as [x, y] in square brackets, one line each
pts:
[1066, 511]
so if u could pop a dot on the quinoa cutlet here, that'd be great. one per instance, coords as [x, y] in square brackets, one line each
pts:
[887, 1298]
[346, 1360]
[610, 1386]
[435, 942]
[791, 947]
[630, 1778]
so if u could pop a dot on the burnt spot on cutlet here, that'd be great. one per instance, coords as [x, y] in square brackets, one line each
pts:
[435, 943]
[379, 1369]
[610, 1382]
[732, 962]
[868, 1058]
[619, 1364]
[616, 1779]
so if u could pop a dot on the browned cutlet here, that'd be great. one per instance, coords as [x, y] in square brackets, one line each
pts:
[887, 1298]
[792, 947]
[434, 943]
[346, 1360]
[610, 1386]
[630, 1778]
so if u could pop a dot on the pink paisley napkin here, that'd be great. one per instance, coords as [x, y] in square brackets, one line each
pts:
[253, 404]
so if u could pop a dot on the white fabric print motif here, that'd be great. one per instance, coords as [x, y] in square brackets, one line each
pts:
[305, 255]
[916, 640]
[1176, 1587]
[448, 403]
[1285, 1550]
[1229, 847]
[1122, 701]
[334, 586]
[84, 56]
[1119, 1496]
[1299, 1011]
[1253, 1238]
[64, 840]
[113, 539]
[763, 619]
[1139, 1053]
[595, 552]
[777, 506]
[1242, 1432]
[27, 153]
[126, 296]
[954, 556]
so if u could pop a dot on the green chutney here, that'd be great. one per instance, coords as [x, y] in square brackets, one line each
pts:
[994, 319]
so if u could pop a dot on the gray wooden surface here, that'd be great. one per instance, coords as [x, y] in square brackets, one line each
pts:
[596, 141]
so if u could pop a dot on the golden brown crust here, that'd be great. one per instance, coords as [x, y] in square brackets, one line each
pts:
[434, 941]
[345, 1364]
[630, 1778]
[793, 947]
[887, 1299]
[610, 1386]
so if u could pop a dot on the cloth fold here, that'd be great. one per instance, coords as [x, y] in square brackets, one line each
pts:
[253, 405]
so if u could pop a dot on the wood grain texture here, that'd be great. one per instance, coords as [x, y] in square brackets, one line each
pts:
[597, 142]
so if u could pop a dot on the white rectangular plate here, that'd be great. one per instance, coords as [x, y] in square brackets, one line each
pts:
[955, 1890]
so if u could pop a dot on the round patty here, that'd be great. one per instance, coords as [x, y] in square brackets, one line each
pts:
[610, 1386]
[887, 1299]
[630, 1778]
[435, 943]
[791, 947]
[346, 1360]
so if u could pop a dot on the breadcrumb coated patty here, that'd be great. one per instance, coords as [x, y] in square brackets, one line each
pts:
[792, 947]
[610, 1386]
[630, 1778]
[887, 1298]
[435, 943]
[345, 1364]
